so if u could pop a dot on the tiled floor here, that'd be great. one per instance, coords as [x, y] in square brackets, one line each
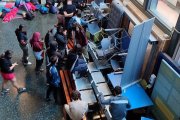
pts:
[30, 105]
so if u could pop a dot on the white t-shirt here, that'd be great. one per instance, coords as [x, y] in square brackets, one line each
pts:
[78, 109]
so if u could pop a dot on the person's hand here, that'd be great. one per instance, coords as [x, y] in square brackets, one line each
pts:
[65, 12]
[65, 32]
[14, 64]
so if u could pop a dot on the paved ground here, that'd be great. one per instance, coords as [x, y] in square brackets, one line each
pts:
[30, 105]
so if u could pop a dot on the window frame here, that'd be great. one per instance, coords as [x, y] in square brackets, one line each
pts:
[146, 7]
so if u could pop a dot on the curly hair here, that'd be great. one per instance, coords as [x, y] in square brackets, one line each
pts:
[75, 95]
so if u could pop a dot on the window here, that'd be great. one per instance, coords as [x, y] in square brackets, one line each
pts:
[141, 1]
[131, 27]
[176, 55]
[167, 11]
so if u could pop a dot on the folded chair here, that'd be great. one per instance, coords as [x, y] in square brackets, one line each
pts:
[113, 45]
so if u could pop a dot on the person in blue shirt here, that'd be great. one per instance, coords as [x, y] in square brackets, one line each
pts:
[52, 78]
[118, 104]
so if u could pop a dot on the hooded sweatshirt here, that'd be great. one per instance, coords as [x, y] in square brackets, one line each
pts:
[35, 42]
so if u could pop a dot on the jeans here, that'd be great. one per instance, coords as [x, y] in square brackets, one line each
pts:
[39, 64]
[52, 89]
[25, 53]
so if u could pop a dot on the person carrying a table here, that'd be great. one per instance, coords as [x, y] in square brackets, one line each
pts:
[118, 104]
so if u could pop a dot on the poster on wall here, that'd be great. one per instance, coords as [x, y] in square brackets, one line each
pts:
[166, 93]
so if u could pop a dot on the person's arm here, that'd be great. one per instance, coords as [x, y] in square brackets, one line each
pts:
[128, 105]
[103, 101]
[68, 15]
[83, 22]
[13, 65]
[23, 39]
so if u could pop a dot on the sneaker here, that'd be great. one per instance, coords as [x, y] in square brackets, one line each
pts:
[29, 63]
[21, 90]
[41, 70]
[4, 91]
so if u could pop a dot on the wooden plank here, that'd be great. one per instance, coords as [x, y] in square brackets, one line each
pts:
[68, 81]
[73, 86]
[67, 96]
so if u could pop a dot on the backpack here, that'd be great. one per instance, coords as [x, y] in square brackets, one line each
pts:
[50, 79]
[29, 15]
[43, 10]
[6, 10]
[53, 9]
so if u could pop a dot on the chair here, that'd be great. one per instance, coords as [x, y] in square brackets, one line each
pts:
[114, 17]
[113, 46]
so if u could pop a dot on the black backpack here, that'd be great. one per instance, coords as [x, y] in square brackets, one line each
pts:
[29, 15]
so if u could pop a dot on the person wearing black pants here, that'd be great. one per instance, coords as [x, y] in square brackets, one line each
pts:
[49, 90]
[38, 49]
[52, 78]
[21, 35]
[39, 64]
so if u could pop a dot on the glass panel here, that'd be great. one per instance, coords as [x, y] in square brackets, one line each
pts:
[166, 10]
[141, 1]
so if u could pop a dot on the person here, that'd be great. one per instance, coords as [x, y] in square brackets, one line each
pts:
[79, 29]
[52, 50]
[61, 38]
[48, 38]
[7, 72]
[80, 4]
[76, 19]
[68, 10]
[61, 20]
[77, 108]
[82, 40]
[21, 35]
[79, 66]
[53, 78]
[118, 104]
[38, 49]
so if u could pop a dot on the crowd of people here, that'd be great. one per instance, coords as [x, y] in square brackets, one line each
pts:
[53, 48]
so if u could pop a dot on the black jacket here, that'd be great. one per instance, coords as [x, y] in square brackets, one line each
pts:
[5, 65]
[61, 40]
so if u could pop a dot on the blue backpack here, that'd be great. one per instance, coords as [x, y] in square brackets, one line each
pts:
[6, 10]
[53, 80]
[43, 10]
[53, 9]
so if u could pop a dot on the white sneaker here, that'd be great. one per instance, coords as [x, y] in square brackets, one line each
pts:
[4, 91]
[29, 63]
[21, 90]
